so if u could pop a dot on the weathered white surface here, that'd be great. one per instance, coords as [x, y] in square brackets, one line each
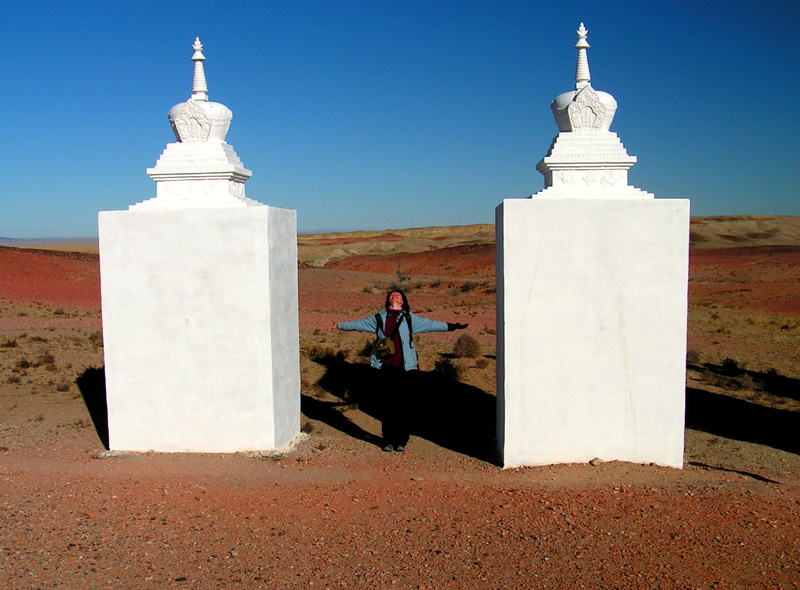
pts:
[591, 310]
[200, 327]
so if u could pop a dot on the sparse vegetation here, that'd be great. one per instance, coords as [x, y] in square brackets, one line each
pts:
[692, 356]
[22, 364]
[448, 368]
[366, 350]
[9, 343]
[46, 360]
[482, 363]
[96, 338]
[467, 347]
[747, 382]
[731, 367]
[325, 354]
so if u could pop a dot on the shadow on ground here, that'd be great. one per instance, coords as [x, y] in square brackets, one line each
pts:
[446, 412]
[742, 420]
[92, 385]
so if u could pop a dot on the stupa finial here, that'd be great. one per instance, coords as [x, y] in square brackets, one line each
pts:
[582, 77]
[199, 88]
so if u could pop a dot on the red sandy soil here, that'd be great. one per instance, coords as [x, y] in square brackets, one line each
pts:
[471, 261]
[339, 513]
[45, 276]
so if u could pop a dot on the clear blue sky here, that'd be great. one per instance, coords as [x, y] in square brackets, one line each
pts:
[373, 115]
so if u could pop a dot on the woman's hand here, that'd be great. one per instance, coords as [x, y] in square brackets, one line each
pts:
[452, 327]
[331, 326]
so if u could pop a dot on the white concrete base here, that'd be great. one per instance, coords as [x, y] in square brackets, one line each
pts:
[200, 328]
[591, 330]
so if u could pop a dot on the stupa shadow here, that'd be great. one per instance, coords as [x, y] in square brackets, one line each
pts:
[92, 385]
[451, 414]
[742, 420]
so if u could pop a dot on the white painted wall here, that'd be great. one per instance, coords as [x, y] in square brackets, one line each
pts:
[592, 310]
[200, 326]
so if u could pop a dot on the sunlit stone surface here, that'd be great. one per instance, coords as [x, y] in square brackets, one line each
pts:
[591, 302]
[199, 295]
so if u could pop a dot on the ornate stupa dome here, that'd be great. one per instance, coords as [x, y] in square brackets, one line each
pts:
[198, 119]
[583, 109]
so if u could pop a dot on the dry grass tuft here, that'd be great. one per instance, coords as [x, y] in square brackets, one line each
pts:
[467, 347]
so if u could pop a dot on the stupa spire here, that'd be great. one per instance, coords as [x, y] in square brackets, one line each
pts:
[582, 77]
[199, 88]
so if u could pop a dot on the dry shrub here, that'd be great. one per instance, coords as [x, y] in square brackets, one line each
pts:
[8, 343]
[448, 368]
[712, 378]
[467, 347]
[747, 382]
[22, 364]
[482, 363]
[96, 338]
[326, 354]
[63, 385]
[46, 360]
[692, 356]
[366, 350]
[731, 368]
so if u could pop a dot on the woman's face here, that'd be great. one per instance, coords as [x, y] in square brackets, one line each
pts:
[395, 299]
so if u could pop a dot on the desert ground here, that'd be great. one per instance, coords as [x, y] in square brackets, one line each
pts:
[336, 512]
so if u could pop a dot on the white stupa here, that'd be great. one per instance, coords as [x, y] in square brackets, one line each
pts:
[592, 278]
[586, 159]
[199, 298]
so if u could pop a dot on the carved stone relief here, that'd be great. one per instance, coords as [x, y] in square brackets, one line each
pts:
[192, 124]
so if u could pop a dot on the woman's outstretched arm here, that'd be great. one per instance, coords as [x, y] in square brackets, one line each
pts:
[367, 324]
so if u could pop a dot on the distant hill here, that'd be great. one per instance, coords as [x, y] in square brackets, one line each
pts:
[317, 250]
[705, 232]
[745, 230]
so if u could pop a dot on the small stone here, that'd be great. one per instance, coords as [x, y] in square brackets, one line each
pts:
[595, 462]
[416, 479]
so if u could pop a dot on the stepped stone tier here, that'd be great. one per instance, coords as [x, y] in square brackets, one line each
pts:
[199, 300]
[592, 280]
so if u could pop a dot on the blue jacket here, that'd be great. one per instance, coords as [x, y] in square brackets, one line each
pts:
[418, 325]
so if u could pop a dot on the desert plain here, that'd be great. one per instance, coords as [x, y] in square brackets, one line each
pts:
[337, 512]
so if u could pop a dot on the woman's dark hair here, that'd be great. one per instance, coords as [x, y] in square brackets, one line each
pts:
[403, 295]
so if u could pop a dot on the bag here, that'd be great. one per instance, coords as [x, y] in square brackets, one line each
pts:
[384, 347]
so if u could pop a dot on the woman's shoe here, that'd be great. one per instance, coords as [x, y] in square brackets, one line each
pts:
[400, 448]
[388, 448]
